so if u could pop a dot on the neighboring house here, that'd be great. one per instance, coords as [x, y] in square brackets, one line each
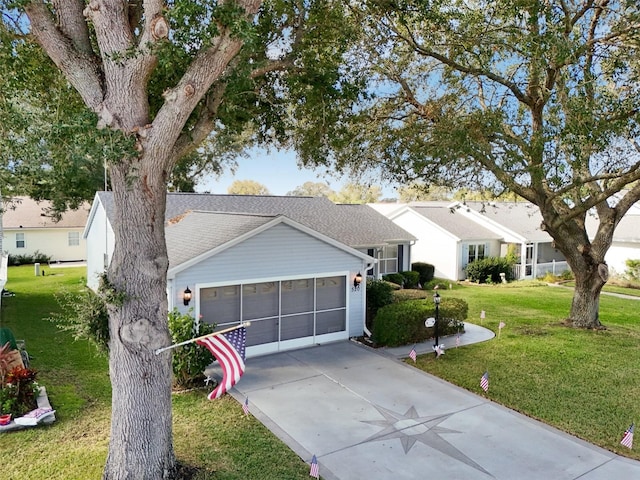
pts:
[287, 264]
[519, 225]
[28, 228]
[626, 241]
[452, 234]
[444, 239]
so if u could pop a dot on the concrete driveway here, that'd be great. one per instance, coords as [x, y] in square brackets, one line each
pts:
[367, 415]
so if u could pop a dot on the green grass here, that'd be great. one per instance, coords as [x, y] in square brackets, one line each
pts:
[214, 437]
[583, 382]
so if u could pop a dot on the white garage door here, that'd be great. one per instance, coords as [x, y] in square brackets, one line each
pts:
[284, 314]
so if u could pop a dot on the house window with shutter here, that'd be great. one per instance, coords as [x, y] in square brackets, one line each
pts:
[389, 259]
[20, 242]
[477, 251]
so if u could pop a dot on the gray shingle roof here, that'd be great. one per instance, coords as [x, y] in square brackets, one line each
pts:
[353, 225]
[197, 233]
[456, 224]
[523, 218]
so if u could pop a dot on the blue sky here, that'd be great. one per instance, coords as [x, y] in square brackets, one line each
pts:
[279, 172]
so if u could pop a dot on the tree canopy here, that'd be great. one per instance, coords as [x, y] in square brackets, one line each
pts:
[247, 187]
[539, 98]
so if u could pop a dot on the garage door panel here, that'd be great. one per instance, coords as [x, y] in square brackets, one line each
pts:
[262, 331]
[331, 322]
[296, 326]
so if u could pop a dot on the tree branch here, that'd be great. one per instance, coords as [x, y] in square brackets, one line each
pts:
[79, 68]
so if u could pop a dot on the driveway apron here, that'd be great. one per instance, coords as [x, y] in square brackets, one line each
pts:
[367, 415]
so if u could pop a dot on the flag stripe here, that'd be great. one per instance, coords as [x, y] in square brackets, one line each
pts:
[231, 361]
[627, 439]
[315, 469]
[484, 382]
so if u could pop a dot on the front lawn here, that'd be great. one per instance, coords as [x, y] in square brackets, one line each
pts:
[215, 437]
[582, 382]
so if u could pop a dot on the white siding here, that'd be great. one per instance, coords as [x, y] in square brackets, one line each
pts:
[618, 254]
[53, 242]
[100, 239]
[435, 246]
[281, 252]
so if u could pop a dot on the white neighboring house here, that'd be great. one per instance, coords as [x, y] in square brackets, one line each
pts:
[519, 225]
[28, 228]
[287, 264]
[626, 241]
[452, 234]
[444, 239]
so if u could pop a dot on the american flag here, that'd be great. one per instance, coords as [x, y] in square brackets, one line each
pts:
[484, 382]
[627, 439]
[229, 350]
[315, 469]
[439, 349]
[501, 325]
[245, 406]
[413, 355]
[457, 340]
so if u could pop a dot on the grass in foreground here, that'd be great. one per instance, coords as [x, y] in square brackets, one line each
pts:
[215, 437]
[583, 382]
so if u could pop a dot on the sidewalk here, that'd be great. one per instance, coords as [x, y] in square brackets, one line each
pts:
[366, 415]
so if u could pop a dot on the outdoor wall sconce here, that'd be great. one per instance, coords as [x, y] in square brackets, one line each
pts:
[356, 282]
[186, 296]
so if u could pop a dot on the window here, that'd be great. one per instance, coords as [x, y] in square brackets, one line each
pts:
[20, 243]
[389, 259]
[477, 251]
[74, 239]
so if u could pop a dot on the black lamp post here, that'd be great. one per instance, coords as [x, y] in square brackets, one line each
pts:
[436, 301]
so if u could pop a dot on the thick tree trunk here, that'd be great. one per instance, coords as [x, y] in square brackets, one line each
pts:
[141, 438]
[586, 259]
[585, 306]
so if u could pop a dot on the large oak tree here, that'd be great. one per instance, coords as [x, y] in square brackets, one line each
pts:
[151, 81]
[537, 97]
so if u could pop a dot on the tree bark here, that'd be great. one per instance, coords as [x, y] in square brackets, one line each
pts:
[586, 259]
[141, 441]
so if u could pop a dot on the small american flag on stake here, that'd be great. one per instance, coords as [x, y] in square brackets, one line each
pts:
[245, 406]
[412, 354]
[627, 439]
[458, 340]
[484, 382]
[315, 469]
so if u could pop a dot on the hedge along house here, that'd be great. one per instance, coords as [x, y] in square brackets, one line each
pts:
[291, 277]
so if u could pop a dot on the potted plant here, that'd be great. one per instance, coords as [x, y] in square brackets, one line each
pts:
[18, 388]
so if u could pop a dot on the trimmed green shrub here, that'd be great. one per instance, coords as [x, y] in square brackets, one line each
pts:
[488, 270]
[411, 279]
[35, 257]
[190, 360]
[403, 323]
[379, 294]
[425, 270]
[396, 278]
